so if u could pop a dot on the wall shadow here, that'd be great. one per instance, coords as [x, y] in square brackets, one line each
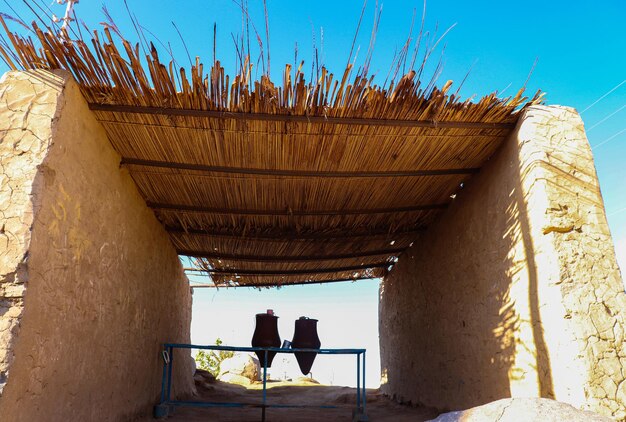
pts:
[448, 318]
[542, 358]
[460, 317]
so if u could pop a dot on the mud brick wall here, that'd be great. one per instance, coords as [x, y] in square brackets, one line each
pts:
[515, 291]
[90, 286]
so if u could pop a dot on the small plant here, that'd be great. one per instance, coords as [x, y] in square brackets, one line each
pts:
[210, 360]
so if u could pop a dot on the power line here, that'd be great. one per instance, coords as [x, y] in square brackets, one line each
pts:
[604, 96]
[617, 212]
[609, 139]
[608, 117]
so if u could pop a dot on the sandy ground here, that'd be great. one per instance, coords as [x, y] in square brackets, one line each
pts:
[379, 408]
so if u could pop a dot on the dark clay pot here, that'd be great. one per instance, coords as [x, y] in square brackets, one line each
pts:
[266, 335]
[305, 337]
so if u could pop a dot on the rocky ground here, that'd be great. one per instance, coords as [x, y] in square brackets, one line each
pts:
[307, 392]
[297, 392]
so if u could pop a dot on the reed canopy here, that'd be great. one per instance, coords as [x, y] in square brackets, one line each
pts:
[270, 184]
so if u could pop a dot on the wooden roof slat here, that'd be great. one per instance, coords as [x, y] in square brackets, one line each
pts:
[306, 258]
[296, 283]
[283, 118]
[229, 279]
[172, 187]
[301, 271]
[307, 224]
[293, 236]
[289, 258]
[126, 161]
[287, 212]
[381, 132]
[333, 149]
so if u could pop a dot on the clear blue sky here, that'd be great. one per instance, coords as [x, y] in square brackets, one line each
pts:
[580, 47]
[581, 52]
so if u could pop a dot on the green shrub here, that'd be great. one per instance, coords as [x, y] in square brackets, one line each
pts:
[210, 360]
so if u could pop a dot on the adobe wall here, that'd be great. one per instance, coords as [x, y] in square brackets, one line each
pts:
[90, 286]
[515, 290]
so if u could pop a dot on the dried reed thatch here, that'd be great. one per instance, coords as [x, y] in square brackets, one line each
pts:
[274, 184]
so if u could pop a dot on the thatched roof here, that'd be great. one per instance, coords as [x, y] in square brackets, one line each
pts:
[270, 184]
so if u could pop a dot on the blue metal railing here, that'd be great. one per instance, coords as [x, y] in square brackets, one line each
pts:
[167, 404]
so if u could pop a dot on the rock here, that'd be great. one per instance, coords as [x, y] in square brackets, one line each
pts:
[234, 379]
[203, 380]
[242, 365]
[305, 380]
[522, 410]
[204, 376]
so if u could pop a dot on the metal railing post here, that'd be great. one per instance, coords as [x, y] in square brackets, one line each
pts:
[169, 372]
[364, 390]
[264, 385]
[164, 376]
[358, 381]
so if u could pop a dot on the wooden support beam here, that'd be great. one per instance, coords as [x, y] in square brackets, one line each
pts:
[287, 118]
[300, 272]
[297, 283]
[287, 212]
[290, 258]
[289, 236]
[126, 161]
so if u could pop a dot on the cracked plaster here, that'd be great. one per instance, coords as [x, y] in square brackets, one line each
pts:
[90, 285]
[515, 291]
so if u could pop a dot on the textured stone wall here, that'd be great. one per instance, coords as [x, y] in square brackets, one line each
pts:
[25, 115]
[90, 284]
[515, 290]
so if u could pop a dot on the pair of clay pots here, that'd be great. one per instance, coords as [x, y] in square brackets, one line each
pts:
[304, 337]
